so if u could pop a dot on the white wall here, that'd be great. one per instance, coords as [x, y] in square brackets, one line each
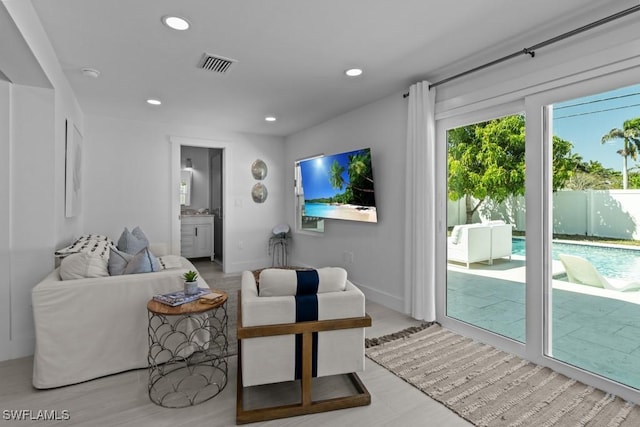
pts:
[606, 213]
[32, 222]
[128, 183]
[66, 108]
[603, 213]
[5, 219]
[32, 201]
[378, 263]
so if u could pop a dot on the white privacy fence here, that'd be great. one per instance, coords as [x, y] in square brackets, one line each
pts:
[601, 213]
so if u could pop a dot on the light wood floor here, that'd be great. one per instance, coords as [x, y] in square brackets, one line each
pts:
[122, 400]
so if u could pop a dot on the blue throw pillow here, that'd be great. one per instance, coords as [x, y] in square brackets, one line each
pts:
[132, 242]
[142, 262]
[118, 262]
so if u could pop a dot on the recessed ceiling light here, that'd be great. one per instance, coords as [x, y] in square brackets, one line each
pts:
[154, 101]
[353, 72]
[270, 119]
[176, 22]
[90, 72]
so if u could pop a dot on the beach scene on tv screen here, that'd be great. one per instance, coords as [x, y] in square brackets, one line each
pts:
[339, 186]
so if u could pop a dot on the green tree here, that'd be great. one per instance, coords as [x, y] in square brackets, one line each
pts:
[592, 175]
[359, 190]
[335, 175]
[634, 180]
[630, 135]
[487, 160]
[361, 179]
[565, 163]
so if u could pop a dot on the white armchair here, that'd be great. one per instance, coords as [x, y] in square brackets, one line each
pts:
[469, 243]
[296, 325]
[501, 240]
[480, 242]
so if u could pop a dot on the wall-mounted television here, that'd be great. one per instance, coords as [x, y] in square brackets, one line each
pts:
[339, 186]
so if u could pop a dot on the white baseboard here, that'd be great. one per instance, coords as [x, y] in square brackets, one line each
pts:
[390, 301]
[15, 349]
[254, 264]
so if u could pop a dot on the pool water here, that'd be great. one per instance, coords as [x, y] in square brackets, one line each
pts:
[609, 261]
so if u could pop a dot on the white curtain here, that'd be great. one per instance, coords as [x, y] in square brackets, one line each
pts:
[420, 227]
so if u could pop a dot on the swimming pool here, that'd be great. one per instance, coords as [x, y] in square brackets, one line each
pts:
[610, 261]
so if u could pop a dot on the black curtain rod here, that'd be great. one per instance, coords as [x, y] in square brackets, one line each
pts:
[532, 50]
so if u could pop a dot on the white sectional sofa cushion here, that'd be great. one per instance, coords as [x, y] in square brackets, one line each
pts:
[83, 265]
[501, 240]
[282, 282]
[88, 328]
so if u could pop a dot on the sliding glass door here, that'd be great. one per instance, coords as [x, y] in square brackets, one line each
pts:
[566, 295]
[485, 285]
[593, 306]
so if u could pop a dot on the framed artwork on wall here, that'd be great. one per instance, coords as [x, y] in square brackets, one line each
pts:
[73, 170]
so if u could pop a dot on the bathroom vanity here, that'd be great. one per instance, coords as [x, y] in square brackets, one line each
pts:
[196, 236]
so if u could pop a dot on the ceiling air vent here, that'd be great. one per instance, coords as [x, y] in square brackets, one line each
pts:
[215, 63]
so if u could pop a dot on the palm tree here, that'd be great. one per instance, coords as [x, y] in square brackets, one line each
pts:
[335, 175]
[359, 188]
[630, 134]
[359, 166]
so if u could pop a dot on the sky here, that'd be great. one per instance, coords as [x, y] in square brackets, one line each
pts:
[315, 175]
[583, 122]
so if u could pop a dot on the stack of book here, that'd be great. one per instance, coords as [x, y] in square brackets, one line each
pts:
[178, 297]
[211, 298]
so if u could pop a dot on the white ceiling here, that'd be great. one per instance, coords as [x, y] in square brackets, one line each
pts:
[291, 53]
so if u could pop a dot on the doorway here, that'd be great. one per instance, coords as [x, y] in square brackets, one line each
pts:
[206, 189]
[216, 201]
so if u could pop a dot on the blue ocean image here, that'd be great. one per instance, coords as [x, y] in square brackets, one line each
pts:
[321, 210]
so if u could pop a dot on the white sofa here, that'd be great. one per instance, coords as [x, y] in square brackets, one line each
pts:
[88, 328]
[479, 242]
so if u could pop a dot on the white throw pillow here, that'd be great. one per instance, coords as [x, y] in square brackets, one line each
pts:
[455, 234]
[83, 265]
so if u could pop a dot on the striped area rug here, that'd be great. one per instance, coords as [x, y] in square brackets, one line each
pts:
[489, 387]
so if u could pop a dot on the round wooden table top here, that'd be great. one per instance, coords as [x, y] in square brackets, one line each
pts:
[193, 307]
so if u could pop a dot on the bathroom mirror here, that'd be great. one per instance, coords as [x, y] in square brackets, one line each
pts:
[259, 169]
[259, 193]
[185, 187]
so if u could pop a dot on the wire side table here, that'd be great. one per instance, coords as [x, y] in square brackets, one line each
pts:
[188, 346]
[278, 250]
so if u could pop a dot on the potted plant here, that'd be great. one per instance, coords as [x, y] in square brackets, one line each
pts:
[190, 282]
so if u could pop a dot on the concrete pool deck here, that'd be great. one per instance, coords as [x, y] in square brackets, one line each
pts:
[595, 329]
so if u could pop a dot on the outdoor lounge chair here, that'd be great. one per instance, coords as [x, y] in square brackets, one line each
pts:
[581, 271]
